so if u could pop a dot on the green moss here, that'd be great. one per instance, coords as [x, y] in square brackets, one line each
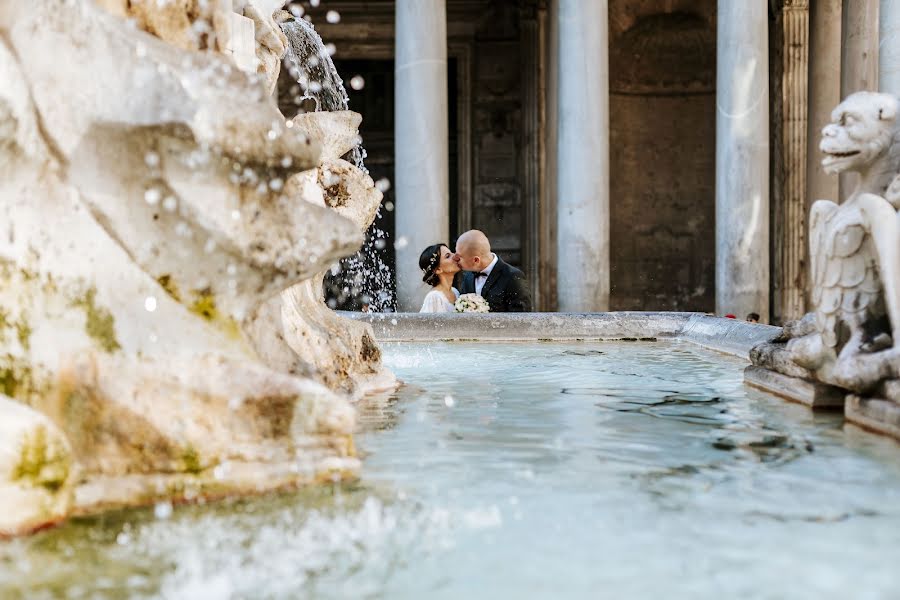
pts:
[4, 323]
[23, 332]
[191, 460]
[42, 462]
[165, 281]
[204, 305]
[100, 324]
[16, 379]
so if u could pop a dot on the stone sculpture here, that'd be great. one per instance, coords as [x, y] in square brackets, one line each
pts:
[150, 256]
[851, 339]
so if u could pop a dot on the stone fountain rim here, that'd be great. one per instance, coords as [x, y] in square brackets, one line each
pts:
[728, 336]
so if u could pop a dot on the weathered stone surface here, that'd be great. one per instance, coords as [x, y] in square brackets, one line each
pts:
[37, 471]
[147, 236]
[875, 414]
[343, 351]
[811, 393]
[337, 131]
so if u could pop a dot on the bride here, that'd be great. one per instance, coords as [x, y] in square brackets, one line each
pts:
[439, 267]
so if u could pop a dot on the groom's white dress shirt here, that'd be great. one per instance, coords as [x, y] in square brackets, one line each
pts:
[479, 281]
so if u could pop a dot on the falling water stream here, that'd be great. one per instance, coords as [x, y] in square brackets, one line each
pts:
[540, 470]
[362, 278]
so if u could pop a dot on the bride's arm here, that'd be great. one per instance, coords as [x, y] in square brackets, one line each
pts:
[430, 304]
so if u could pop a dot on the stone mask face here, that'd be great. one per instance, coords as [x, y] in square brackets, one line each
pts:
[861, 130]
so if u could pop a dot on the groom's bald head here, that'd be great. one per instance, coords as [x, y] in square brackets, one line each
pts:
[473, 251]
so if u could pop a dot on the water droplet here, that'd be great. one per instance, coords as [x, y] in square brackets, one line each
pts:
[231, 269]
[162, 510]
[170, 203]
[333, 16]
[210, 246]
[330, 49]
[402, 242]
[235, 214]
[383, 184]
[389, 206]
[221, 471]
[151, 159]
[150, 303]
[276, 184]
[449, 402]
[357, 82]
[152, 196]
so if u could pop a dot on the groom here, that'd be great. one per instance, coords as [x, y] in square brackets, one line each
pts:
[502, 285]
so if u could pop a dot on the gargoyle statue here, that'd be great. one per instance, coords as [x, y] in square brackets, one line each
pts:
[851, 338]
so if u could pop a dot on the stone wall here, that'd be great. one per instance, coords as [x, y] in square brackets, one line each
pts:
[662, 155]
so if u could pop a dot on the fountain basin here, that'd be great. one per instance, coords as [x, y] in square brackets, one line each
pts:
[557, 455]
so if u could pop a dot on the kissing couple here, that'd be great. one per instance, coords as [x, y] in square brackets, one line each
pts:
[476, 270]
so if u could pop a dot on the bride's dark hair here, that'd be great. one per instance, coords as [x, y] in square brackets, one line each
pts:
[429, 261]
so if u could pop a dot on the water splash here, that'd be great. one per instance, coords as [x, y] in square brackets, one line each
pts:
[362, 281]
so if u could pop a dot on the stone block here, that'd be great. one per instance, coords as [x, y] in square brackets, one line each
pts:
[240, 42]
[812, 394]
[875, 414]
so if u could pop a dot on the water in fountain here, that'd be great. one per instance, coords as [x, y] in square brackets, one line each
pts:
[562, 469]
[365, 278]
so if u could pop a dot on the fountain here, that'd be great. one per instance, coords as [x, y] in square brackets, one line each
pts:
[165, 236]
[164, 341]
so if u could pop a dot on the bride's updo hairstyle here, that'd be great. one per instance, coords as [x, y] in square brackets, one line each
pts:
[429, 261]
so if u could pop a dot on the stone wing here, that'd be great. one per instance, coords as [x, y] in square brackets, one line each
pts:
[819, 251]
[884, 227]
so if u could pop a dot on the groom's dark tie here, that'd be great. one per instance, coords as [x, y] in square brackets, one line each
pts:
[480, 274]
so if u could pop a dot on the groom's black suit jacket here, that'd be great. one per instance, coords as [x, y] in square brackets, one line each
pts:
[505, 289]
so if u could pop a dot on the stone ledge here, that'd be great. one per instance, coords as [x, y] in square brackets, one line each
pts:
[809, 393]
[729, 336]
[874, 414]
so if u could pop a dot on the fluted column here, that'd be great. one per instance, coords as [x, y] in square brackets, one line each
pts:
[742, 158]
[583, 156]
[790, 230]
[421, 141]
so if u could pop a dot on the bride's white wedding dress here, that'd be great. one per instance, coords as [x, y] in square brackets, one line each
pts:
[436, 302]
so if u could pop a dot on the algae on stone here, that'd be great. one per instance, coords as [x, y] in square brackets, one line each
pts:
[100, 323]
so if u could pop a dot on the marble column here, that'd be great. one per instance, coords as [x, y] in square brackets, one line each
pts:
[824, 92]
[583, 156]
[421, 141]
[859, 60]
[889, 47]
[742, 158]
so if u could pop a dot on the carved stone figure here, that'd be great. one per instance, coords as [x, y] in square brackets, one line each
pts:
[147, 235]
[851, 338]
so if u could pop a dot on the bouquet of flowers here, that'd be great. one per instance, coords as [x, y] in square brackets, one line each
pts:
[472, 303]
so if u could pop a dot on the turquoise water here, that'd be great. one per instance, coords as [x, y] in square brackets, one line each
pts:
[550, 470]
